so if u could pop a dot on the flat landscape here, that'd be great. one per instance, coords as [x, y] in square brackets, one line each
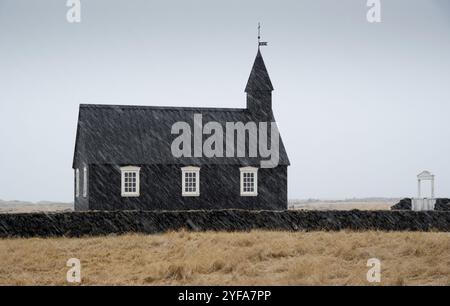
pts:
[311, 204]
[27, 207]
[219, 258]
[347, 204]
[249, 258]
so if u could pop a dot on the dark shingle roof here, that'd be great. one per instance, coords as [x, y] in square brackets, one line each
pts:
[259, 79]
[116, 134]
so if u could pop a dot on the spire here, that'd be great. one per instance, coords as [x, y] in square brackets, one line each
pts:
[259, 87]
[259, 79]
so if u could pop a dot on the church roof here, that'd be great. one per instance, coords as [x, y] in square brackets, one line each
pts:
[119, 134]
[259, 79]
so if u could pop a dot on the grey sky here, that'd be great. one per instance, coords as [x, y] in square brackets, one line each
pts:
[362, 108]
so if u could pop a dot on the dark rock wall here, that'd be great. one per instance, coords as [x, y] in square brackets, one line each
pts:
[75, 224]
[404, 204]
[442, 204]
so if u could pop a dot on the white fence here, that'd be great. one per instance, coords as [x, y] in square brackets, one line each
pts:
[420, 204]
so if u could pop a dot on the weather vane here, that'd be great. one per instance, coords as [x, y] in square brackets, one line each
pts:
[260, 43]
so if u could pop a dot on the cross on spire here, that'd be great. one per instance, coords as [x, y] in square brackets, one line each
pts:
[259, 32]
[260, 43]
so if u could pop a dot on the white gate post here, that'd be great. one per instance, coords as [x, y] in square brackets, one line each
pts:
[418, 188]
[432, 187]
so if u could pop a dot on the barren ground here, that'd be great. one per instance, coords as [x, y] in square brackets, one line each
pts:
[361, 204]
[254, 258]
[11, 207]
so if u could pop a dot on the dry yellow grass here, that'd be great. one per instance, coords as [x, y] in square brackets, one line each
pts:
[255, 258]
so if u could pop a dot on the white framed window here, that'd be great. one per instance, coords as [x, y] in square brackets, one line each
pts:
[190, 181]
[77, 182]
[85, 185]
[130, 181]
[249, 181]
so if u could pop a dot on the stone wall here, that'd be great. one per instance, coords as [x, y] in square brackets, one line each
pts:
[442, 204]
[76, 224]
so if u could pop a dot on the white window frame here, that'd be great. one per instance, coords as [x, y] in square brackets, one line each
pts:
[77, 182]
[130, 169]
[184, 171]
[253, 171]
[85, 183]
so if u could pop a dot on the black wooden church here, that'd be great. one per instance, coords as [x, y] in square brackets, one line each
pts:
[123, 158]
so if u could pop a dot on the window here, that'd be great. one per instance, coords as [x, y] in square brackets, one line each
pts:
[190, 181]
[85, 181]
[130, 181]
[249, 181]
[77, 182]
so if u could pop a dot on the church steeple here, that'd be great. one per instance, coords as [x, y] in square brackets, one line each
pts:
[259, 79]
[259, 89]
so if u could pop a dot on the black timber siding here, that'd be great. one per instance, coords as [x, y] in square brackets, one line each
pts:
[160, 189]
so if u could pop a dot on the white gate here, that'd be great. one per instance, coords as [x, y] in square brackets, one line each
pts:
[419, 204]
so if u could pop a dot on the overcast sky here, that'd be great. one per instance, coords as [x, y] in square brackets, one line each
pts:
[362, 108]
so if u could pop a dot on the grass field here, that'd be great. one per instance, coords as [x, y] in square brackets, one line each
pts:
[254, 258]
